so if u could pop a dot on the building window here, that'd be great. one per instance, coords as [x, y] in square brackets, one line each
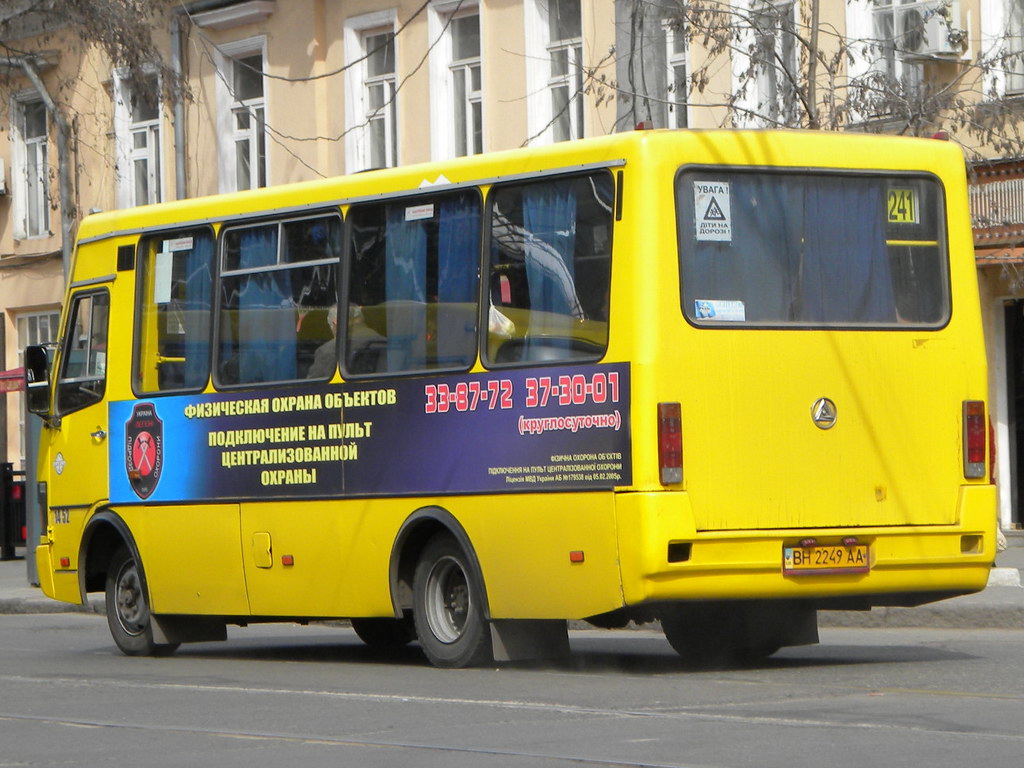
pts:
[371, 87]
[248, 121]
[467, 107]
[565, 78]
[379, 103]
[1014, 46]
[137, 129]
[242, 116]
[777, 64]
[896, 38]
[678, 86]
[33, 174]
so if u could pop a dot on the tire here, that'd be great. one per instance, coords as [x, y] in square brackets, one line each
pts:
[128, 615]
[717, 635]
[448, 607]
[385, 633]
[705, 635]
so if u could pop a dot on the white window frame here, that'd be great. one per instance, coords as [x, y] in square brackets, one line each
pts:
[541, 80]
[677, 110]
[759, 103]
[997, 40]
[357, 134]
[125, 131]
[228, 134]
[772, 86]
[443, 72]
[903, 69]
[24, 153]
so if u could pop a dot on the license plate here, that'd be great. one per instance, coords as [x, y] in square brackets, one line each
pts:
[820, 560]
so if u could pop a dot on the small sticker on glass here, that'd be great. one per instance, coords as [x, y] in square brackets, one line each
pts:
[178, 244]
[419, 212]
[722, 311]
[902, 204]
[712, 210]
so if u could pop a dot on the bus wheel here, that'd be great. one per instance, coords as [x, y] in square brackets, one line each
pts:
[448, 607]
[722, 634]
[385, 633]
[127, 610]
[704, 635]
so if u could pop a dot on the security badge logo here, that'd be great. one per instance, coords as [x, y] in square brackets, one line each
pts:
[144, 449]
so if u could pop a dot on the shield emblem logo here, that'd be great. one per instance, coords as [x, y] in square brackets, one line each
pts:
[144, 449]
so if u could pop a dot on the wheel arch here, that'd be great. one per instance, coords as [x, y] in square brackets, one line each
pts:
[105, 532]
[415, 532]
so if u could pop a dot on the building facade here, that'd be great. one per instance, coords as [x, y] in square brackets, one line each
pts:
[274, 92]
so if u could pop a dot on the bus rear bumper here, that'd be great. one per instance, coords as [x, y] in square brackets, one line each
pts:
[664, 558]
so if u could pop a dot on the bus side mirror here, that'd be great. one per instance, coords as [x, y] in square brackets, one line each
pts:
[37, 379]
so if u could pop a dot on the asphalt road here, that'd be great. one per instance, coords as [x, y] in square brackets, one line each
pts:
[314, 696]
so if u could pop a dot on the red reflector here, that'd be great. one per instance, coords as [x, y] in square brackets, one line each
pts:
[975, 438]
[65, 562]
[576, 556]
[287, 560]
[670, 442]
[17, 492]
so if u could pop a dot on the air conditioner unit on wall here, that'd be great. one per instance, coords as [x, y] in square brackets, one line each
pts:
[928, 28]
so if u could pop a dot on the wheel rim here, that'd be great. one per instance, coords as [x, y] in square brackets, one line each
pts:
[129, 602]
[447, 600]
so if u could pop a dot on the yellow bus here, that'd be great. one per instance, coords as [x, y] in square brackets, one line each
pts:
[718, 380]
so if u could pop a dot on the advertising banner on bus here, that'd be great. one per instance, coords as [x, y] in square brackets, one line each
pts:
[558, 428]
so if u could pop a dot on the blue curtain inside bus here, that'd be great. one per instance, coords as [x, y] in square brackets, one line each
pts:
[549, 218]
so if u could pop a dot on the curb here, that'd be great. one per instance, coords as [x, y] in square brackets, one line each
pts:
[21, 605]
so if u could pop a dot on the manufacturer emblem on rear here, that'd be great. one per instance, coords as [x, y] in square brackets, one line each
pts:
[823, 413]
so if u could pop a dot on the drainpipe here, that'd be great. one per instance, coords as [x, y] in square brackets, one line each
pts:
[67, 208]
[180, 175]
[179, 17]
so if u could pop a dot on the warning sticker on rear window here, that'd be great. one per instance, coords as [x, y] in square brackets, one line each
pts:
[712, 210]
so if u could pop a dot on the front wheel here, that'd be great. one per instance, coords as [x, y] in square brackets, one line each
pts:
[448, 607]
[128, 615]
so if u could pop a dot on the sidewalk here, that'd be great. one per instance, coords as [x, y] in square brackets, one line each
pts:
[1000, 606]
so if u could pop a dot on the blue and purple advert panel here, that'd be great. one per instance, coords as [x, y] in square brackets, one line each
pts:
[562, 428]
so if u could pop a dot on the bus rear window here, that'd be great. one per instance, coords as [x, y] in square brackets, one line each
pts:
[811, 249]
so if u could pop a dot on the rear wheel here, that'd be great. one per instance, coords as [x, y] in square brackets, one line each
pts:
[385, 633]
[448, 606]
[708, 635]
[128, 616]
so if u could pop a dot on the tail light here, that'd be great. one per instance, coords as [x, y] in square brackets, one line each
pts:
[991, 453]
[670, 443]
[975, 439]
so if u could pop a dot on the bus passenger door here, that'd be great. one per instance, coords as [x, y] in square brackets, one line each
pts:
[77, 438]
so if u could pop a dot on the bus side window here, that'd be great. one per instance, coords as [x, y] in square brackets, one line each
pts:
[175, 299]
[550, 266]
[83, 376]
[414, 271]
[277, 287]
